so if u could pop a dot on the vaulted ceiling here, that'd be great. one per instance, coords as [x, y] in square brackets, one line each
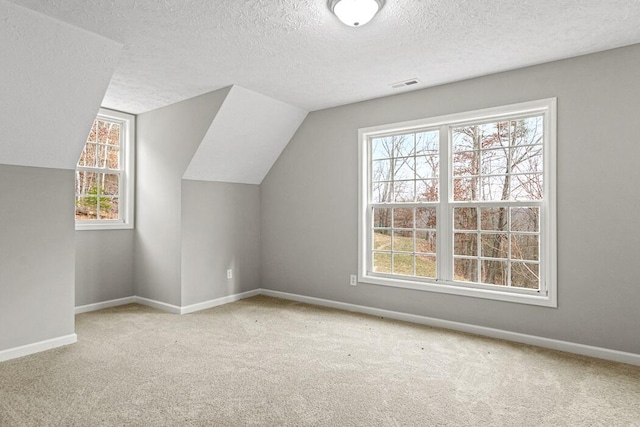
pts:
[297, 52]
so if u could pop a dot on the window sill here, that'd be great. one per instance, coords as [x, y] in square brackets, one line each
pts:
[455, 288]
[103, 225]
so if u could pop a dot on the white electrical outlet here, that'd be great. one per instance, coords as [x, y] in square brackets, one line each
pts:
[353, 280]
[229, 274]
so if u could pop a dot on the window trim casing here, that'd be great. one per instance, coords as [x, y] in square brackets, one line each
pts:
[548, 229]
[127, 182]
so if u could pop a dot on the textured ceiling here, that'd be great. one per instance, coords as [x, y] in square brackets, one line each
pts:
[296, 51]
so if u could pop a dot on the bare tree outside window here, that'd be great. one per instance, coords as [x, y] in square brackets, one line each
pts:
[98, 173]
[498, 162]
[463, 203]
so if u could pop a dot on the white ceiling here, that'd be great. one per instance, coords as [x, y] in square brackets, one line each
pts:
[297, 52]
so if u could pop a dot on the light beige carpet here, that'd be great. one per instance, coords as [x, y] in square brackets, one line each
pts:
[264, 361]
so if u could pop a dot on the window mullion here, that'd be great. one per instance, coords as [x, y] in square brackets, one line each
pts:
[444, 228]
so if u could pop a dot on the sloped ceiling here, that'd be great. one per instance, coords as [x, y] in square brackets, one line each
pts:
[245, 138]
[298, 52]
[54, 77]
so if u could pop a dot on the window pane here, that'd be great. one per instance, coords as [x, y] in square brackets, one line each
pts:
[525, 246]
[525, 275]
[382, 192]
[427, 190]
[465, 244]
[382, 262]
[526, 187]
[526, 159]
[382, 217]
[465, 163]
[103, 131]
[494, 272]
[465, 270]
[528, 131]
[426, 167]
[426, 241]
[86, 208]
[495, 188]
[381, 149]
[403, 145]
[381, 170]
[86, 183]
[382, 240]
[404, 168]
[493, 219]
[465, 219]
[93, 134]
[495, 162]
[465, 139]
[403, 218]
[426, 266]
[426, 218]
[114, 134]
[495, 245]
[113, 156]
[525, 219]
[108, 207]
[404, 191]
[110, 184]
[465, 189]
[403, 241]
[89, 155]
[103, 155]
[403, 264]
[427, 142]
[493, 135]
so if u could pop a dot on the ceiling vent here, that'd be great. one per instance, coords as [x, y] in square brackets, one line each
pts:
[405, 83]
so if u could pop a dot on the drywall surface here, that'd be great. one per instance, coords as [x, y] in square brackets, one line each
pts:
[104, 265]
[245, 139]
[220, 231]
[167, 139]
[309, 202]
[54, 77]
[36, 255]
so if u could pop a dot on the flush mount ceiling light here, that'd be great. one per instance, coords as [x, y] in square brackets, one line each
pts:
[355, 13]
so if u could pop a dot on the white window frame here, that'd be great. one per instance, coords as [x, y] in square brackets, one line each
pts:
[126, 182]
[547, 295]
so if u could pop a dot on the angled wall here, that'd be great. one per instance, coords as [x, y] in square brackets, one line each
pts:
[198, 202]
[309, 202]
[53, 78]
[245, 139]
[167, 139]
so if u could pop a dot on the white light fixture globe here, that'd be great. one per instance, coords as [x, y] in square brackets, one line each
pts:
[355, 13]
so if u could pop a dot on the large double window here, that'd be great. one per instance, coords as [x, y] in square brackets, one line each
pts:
[104, 174]
[462, 204]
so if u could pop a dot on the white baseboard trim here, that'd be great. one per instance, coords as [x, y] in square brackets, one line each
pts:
[569, 347]
[167, 307]
[218, 301]
[37, 347]
[105, 304]
[157, 304]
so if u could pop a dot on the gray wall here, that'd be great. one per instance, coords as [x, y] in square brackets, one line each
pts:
[220, 231]
[104, 265]
[166, 140]
[36, 255]
[309, 202]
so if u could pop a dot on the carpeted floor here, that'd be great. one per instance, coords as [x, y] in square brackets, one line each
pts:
[264, 361]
